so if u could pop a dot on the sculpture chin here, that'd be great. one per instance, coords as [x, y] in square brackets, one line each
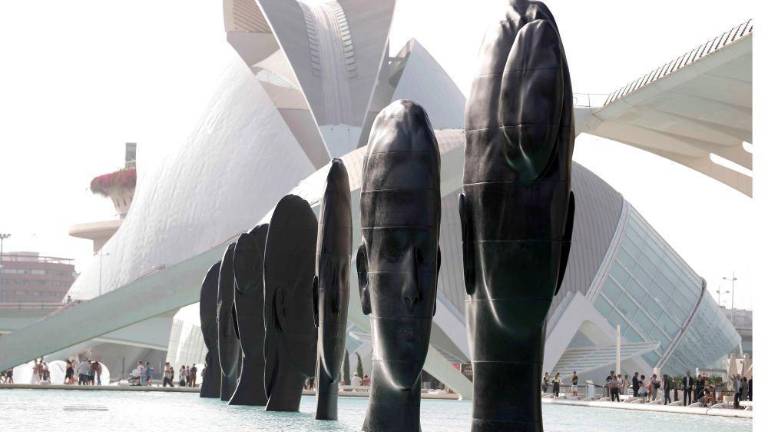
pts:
[403, 349]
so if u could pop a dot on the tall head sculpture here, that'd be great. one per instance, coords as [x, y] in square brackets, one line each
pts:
[399, 259]
[230, 354]
[211, 386]
[332, 260]
[249, 308]
[290, 347]
[516, 210]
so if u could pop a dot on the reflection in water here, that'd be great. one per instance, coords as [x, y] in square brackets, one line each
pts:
[44, 410]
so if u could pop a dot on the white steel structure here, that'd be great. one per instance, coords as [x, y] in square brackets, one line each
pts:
[695, 110]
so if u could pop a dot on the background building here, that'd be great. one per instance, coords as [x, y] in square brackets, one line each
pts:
[742, 321]
[119, 186]
[27, 277]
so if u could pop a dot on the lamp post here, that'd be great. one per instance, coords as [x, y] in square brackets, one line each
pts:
[3, 236]
[733, 280]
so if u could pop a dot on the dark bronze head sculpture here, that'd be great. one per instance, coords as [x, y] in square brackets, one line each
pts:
[399, 260]
[230, 354]
[516, 211]
[332, 261]
[290, 347]
[211, 386]
[249, 308]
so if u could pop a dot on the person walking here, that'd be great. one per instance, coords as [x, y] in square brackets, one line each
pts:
[687, 388]
[83, 369]
[635, 385]
[574, 384]
[148, 371]
[642, 391]
[749, 391]
[141, 372]
[614, 386]
[545, 382]
[655, 385]
[701, 382]
[666, 383]
[744, 389]
[192, 381]
[97, 371]
[183, 375]
[556, 385]
[69, 375]
[167, 375]
[92, 373]
[736, 390]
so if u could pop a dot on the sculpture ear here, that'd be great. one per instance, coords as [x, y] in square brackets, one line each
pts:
[439, 263]
[338, 273]
[279, 309]
[439, 259]
[467, 244]
[315, 300]
[362, 279]
[234, 322]
[565, 248]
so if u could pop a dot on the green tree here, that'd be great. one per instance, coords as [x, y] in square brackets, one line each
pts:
[359, 365]
[345, 369]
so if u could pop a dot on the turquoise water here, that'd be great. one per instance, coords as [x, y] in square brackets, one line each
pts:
[96, 411]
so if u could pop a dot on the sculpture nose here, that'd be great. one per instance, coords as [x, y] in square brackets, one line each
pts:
[411, 294]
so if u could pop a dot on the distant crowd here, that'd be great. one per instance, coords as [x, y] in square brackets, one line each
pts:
[702, 389]
[142, 375]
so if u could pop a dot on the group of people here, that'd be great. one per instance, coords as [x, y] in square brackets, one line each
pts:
[85, 372]
[556, 382]
[742, 389]
[88, 372]
[700, 389]
[187, 375]
[6, 376]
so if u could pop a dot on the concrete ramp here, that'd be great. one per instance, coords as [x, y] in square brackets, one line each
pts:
[149, 296]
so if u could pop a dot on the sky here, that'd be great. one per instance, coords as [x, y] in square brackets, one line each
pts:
[82, 77]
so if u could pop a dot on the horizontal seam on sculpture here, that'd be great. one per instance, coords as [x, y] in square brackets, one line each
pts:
[389, 272]
[508, 361]
[403, 151]
[520, 299]
[466, 131]
[495, 74]
[420, 227]
[517, 241]
[527, 124]
[510, 182]
[399, 190]
[410, 318]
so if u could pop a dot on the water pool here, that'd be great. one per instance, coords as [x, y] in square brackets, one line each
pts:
[96, 411]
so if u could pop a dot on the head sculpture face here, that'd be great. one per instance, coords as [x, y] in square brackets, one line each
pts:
[290, 347]
[398, 261]
[516, 210]
[332, 261]
[248, 263]
[211, 386]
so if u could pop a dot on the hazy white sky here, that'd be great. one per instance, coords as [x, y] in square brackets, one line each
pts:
[82, 77]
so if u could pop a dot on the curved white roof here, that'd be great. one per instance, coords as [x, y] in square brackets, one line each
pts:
[695, 110]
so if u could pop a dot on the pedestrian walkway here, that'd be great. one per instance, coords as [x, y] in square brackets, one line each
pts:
[99, 388]
[721, 412]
